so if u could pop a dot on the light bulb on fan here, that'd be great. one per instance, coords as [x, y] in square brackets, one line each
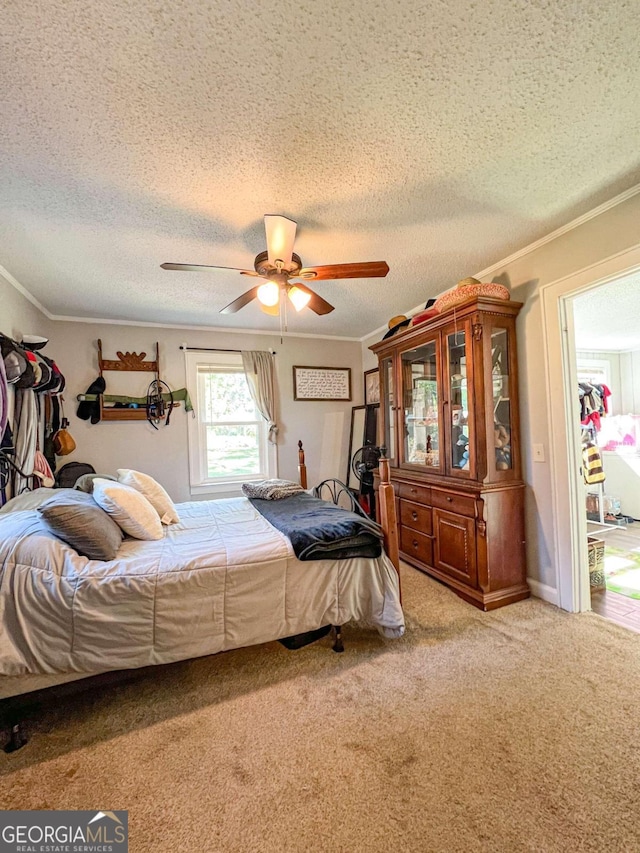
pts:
[269, 293]
[299, 298]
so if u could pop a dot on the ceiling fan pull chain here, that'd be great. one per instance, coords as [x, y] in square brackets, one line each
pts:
[284, 300]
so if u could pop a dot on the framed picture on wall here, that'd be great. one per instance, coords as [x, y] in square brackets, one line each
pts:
[321, 383]
[372, 387]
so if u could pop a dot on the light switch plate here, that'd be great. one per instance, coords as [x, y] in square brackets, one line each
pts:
[538, 452]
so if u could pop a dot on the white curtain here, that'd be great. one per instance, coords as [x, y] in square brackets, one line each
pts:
[259, 370]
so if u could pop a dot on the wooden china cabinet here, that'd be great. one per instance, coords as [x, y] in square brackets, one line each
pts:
[450, 423]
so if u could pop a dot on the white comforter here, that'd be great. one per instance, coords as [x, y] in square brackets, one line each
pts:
[221, 578]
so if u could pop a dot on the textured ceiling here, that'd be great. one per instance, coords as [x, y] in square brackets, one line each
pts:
[437, 136]
[606, 318]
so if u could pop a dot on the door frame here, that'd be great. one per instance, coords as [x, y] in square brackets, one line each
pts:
[572, 573]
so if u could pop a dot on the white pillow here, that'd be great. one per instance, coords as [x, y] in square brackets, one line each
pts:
[153, 492]
[128, 508]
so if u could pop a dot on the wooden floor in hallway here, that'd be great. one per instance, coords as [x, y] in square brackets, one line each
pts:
[619, 608]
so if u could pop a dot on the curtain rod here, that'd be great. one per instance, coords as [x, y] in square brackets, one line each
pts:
[214, 349]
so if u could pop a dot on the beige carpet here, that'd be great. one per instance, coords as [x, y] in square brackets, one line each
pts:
[511, 731]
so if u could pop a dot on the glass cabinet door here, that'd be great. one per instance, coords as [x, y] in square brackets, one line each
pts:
[459, 400]
[422, 442]
[501, 392]
[388, 401]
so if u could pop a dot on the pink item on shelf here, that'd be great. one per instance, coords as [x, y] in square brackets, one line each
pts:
[423, 316]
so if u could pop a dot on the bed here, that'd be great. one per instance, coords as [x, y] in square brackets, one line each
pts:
[222, 578]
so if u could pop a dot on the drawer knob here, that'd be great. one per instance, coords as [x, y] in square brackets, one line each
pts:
[449, 499]
[414, 516]
[415, 544]
[413, 491]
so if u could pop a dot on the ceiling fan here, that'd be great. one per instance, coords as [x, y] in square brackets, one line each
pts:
[279, 264]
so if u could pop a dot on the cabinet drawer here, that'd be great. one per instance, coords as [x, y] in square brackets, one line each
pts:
[454, 503]
[416, 544]
[416, 516]
[421, 494]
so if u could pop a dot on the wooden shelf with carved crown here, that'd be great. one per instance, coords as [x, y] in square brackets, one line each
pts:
[450, 422]
[127, 361]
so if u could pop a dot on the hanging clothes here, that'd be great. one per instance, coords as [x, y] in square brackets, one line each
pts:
[592, 464]
[593, 403]
[4, 399]
[26, 436]
[605, 393]
[37, 381]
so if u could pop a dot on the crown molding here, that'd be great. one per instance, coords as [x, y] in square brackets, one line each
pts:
[532, 247]
[100, 321]
[62, 318]
[581, 352]
[6, 275]
[564, 229]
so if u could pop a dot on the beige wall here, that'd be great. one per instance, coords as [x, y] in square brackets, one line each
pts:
[599, 238]
[18, 316]
[608, 234]
[322, 426]
[630, 382]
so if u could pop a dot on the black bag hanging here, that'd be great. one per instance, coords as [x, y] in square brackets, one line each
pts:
[91, 409]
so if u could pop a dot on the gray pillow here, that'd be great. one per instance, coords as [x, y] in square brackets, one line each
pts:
[28, 500]
[85, 483]
[76, 518]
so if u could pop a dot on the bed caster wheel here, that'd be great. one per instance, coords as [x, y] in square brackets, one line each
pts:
[337, 634]
[17, 739]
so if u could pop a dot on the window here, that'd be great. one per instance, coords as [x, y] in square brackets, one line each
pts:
[594, 370]
[228, 437]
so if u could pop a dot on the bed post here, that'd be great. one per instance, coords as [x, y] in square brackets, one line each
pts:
[387, 507]
[302, 468]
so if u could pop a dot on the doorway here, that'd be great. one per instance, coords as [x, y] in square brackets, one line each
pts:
[606, 340]
[568, 539]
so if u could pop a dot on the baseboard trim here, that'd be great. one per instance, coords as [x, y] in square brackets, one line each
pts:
[541, 590]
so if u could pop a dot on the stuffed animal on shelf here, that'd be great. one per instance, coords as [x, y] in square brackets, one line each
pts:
[502, 443]
[463, 458]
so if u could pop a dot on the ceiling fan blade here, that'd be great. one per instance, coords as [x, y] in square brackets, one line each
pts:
[316, 303]
[367, 269]
[281, 233]
[241, 301]
[202, 268]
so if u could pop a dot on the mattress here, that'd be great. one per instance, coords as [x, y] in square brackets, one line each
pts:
[220, 579]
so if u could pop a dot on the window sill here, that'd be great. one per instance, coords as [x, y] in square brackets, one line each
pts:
[224, 489]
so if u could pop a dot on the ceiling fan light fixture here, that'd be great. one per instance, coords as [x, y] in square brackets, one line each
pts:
[278, 265]
[269, 293]
[271, 310]
[299, 298]
[281, 233]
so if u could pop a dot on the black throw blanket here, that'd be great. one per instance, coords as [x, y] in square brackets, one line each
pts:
[319, 530]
